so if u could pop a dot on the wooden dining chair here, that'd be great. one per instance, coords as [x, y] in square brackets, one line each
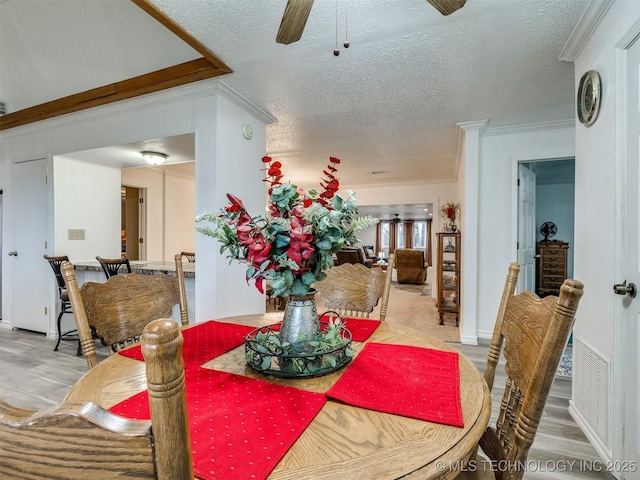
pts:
[112, 266]
[191, 256]
[116, 311]
[354, 290]
[534, 332]
[83, 440]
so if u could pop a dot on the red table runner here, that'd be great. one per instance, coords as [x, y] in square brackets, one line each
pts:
[204, 341]
[411, 381]
[240, 427]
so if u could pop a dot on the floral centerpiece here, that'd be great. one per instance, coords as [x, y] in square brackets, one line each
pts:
[449, 212]
[292, 245]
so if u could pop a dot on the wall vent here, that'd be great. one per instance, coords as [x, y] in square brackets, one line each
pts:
[4, 107]
[593, 390]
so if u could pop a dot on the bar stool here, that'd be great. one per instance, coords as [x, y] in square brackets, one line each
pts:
[111, 266]
[191, 256]
[65, 305]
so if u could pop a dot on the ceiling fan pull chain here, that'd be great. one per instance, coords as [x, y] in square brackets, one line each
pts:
[336, 52]
[346, 24]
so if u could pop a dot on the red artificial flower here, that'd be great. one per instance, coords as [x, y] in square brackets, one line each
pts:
[260, 284]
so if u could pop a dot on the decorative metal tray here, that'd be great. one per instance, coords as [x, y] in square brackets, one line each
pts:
[328, 352]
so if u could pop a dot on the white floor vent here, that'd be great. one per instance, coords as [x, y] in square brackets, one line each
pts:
[592, 384]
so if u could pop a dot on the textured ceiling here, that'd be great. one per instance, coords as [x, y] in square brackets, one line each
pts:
[390, 102]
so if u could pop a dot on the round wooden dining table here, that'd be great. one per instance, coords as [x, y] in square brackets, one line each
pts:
[342, 441]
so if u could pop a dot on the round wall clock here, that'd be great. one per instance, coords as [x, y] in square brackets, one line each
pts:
[588, 98]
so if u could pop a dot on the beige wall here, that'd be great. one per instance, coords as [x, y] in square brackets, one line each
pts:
[170, 210]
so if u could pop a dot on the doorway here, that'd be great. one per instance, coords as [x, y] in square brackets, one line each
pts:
[554, 206]
[133, 223]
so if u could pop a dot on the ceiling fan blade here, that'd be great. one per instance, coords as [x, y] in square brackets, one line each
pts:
[293, 21]
[447, 7]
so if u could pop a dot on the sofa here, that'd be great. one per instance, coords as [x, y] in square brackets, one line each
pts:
[353, 255]
[411, 266]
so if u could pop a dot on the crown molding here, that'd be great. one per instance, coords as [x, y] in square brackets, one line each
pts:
[231, 94]
[589, 21]
[528, 127]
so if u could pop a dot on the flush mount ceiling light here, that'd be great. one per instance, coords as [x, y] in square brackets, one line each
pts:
[154, 158]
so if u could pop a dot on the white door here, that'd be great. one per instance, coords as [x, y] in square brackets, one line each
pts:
[31, 273]
[526, 228]
[631, 241]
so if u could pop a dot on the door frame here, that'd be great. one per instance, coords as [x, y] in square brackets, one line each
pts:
[620, 316]
[515, 217]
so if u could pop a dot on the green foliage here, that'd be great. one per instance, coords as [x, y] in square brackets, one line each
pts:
[326, 350]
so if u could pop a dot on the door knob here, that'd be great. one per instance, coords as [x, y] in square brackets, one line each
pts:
[624, 289]
[13, 254]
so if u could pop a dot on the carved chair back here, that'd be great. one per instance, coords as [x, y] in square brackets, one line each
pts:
[354, 290]
[117, 310]
[534, 332]
[78, 441]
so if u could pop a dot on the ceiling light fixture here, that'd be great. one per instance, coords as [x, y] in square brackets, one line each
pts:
[154, 158]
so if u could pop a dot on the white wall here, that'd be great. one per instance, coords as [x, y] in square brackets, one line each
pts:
[595, 222]
[238, 170]
[499, 150]
[224, 159]
[86, 196]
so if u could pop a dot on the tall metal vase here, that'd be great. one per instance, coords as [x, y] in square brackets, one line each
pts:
[300, 321]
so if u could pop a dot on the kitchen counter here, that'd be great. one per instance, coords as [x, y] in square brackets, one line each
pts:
[141, 266]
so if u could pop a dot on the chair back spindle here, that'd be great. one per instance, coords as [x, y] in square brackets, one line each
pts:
[82, 440]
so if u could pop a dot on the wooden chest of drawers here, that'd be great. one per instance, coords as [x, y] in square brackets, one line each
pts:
[552, 267]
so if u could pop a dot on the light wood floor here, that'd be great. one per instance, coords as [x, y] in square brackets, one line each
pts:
[32, 375]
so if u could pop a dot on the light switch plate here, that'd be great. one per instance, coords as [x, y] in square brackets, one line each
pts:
[76, 234]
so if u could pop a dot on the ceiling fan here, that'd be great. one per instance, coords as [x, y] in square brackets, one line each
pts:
[297, 11]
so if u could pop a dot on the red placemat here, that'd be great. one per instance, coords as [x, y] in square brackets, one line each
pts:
[203, 341]
[240, 427]
[411, 381]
